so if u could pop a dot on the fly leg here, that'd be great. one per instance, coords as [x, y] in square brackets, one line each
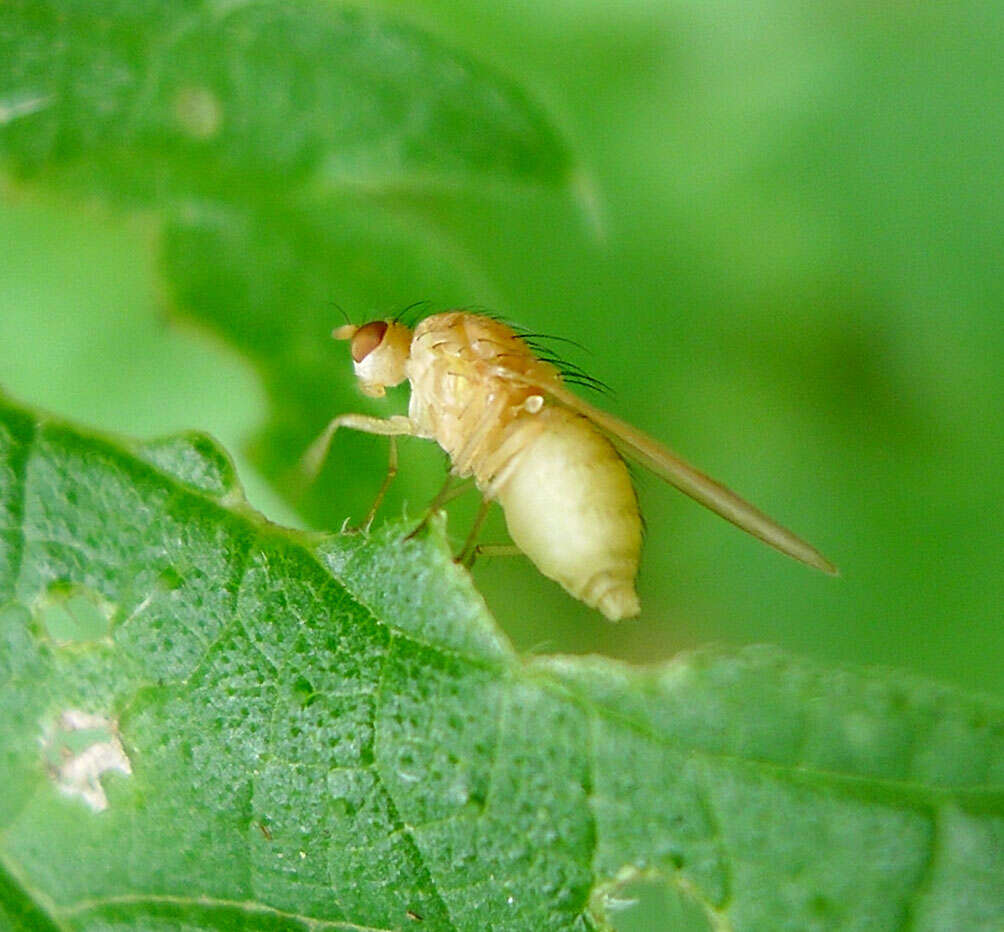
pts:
[447, 493]
[392, 427]
[493, 550]
[469, 551]
[317, 452]
[384, 486]
[472, 549]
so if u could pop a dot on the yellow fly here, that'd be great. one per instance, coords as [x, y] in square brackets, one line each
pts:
[504, 416]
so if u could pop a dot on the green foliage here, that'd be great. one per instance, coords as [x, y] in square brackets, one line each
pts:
[209, 722]
[328, 734]
[162, 101]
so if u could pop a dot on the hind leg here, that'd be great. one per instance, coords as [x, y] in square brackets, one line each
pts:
[469, 550]
[493, 550]
[447, 493]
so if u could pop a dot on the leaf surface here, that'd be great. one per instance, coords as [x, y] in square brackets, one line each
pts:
[304, 733]
[164, 101]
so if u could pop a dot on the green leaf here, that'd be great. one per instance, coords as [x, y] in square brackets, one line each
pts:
[166, 100]
[279, 731]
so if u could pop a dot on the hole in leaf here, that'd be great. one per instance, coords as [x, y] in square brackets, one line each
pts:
[73, 614]
[655, 905]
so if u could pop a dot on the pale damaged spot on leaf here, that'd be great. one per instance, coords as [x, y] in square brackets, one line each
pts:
[198, 112]
[79, 748]
[73, 614]
[634, 895]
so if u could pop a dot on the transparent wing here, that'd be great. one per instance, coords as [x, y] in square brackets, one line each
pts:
[676, 471]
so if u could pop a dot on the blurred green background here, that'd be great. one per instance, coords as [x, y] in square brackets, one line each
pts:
[783, 249]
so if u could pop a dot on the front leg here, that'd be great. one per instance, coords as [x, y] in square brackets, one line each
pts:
[317, 452]
[392, 427]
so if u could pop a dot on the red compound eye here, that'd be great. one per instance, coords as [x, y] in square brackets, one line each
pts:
[368, 338]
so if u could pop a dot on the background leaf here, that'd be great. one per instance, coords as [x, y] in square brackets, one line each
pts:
[180, 100]
[310, 747]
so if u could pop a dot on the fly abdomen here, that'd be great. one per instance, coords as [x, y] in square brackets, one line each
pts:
[570, 507]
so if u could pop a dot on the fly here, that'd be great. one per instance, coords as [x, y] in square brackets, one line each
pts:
[506, 417]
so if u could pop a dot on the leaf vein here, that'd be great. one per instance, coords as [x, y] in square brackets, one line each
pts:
[399, 824]
[926, 878]
[918, 795]
[205, 902]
